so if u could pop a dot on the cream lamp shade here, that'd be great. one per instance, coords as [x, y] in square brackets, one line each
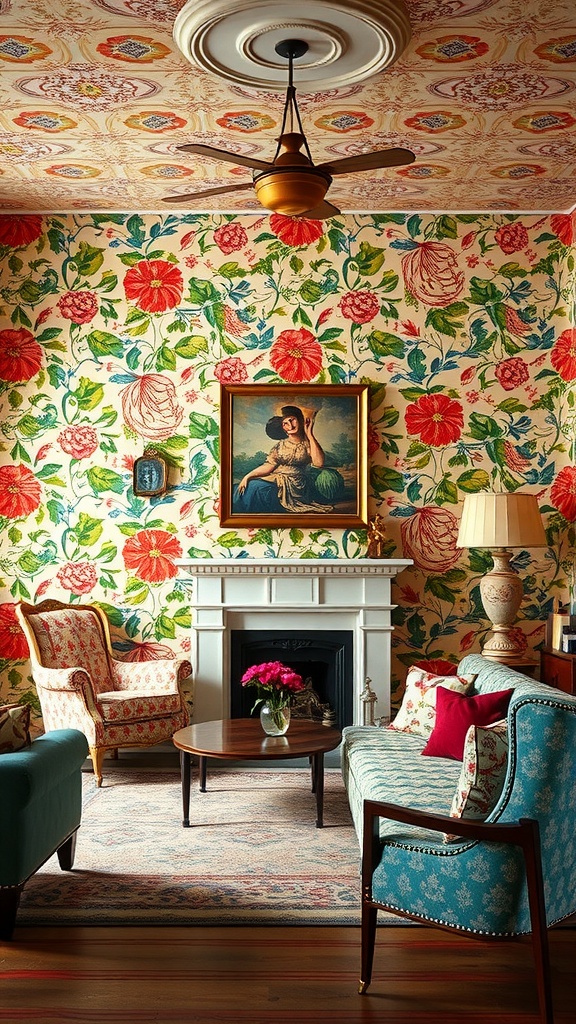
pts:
[499, 522]
[506, 520]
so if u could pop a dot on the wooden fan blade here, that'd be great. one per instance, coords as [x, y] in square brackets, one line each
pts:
[323, 211]
[369, 161]
[226, 156]
[220, 191]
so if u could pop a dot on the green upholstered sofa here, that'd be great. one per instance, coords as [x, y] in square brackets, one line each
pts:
[498, 878]
[40, 811]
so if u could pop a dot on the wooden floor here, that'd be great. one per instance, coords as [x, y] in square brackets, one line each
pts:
[267, 975]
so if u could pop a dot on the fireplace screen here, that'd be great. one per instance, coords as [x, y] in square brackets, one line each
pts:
[323, 659]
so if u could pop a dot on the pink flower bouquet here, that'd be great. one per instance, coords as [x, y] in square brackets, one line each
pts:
[275, 683]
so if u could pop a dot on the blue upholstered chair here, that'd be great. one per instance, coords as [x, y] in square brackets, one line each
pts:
[513, 874]
[40, 811]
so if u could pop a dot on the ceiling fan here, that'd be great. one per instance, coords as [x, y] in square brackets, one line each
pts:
[291, 184]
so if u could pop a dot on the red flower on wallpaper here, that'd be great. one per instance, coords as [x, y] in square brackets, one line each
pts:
[431, 273]
[296, 230]
[231, 371]
[80, 307]
[20, 355]
[20, 491]
[154, 285]
[562, 224]
[13, 643]
[436, 419]
[429, 539]
[373, 439]
[563, 493]
[438, 666]
[78, 577]
[563, 354]
[148, 651]
[16, 232]
[296, 356]
[80, 442]
[150, 406]
[230, 237]
[511, 373]
[361, 306]
[511, 238]
[150, 555]
[514, 323]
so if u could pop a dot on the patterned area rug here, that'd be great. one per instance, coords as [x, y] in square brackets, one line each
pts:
[253, 855]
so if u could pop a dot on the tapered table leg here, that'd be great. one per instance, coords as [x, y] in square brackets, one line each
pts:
[202, 772]
[319, 786]
[185, 763]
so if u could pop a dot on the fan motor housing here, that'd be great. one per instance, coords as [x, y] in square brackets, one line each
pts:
[291, 190]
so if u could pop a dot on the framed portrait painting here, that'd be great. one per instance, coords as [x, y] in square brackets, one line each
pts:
[294, 455]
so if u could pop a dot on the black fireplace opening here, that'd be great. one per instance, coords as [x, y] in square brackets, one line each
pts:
[323, 658]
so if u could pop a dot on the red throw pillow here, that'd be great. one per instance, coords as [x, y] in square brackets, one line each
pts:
[455, 713]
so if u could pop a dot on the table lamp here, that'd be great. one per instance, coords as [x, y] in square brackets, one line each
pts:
[500, 522]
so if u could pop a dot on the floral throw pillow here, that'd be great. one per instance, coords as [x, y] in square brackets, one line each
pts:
[417, 712]
[14, 727]
[483, 772]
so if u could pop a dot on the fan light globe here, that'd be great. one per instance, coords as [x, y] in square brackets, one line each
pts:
[291, 192]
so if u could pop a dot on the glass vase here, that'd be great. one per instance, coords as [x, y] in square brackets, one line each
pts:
[274, 721]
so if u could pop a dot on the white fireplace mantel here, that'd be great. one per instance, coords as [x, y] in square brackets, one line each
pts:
[267, 593]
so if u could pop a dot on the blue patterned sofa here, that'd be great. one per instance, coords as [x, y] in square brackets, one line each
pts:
[488, 882]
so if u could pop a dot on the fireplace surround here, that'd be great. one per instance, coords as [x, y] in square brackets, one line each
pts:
[299, 595]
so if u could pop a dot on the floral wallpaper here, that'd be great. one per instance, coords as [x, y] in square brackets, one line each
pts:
[116, 331]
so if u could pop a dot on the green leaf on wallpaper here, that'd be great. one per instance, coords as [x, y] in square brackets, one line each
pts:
[30, 563]
[15, 399]
[310, 291]
[164, 628]
[87, 530]
[201, 292]
[19, 454]
[113, 614]
[446, 492]
[48, 334]
[108, 552]
[30, 292]
[389, 416]
[130, 259]
[102, 343]
[203, 426]
[512, 269]
[102, 479]
[482, 427]
[417, 363]
[388, 282]
[15, 263]
[19, 590]
[446, 227]
[473, 480]
[412, 394]
[88, 394]
[369, 259]
[18, 316]
[382, 479]
[183, 618]
[230, 539]
[190, 346]
[446, 320]
[435, 585]
[108, 281]
[296, 264]
[300, 315]
[231, 270]
[296, 536]
[88, 259]
[135, 226]
[136, 592]
[382, 343]
[14, 535]
[484, 293]
[416, 629]
[165, 358]
[29, 426]
[55, 511]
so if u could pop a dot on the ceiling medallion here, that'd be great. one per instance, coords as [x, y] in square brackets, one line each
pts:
[348, 40]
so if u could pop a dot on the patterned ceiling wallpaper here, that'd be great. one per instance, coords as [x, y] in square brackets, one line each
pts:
[95, 98]
[117, 331]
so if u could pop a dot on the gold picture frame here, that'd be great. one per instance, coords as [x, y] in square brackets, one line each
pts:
[150, 476]
[312, 473]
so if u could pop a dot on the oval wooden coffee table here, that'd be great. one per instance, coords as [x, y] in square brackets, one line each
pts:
[242, 739]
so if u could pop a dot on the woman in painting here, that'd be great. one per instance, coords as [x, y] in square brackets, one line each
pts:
[282, 483]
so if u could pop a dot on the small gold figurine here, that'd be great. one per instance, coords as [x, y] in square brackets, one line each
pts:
[376, 537]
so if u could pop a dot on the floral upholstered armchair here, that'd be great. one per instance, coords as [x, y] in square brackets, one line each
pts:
[80, 685]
